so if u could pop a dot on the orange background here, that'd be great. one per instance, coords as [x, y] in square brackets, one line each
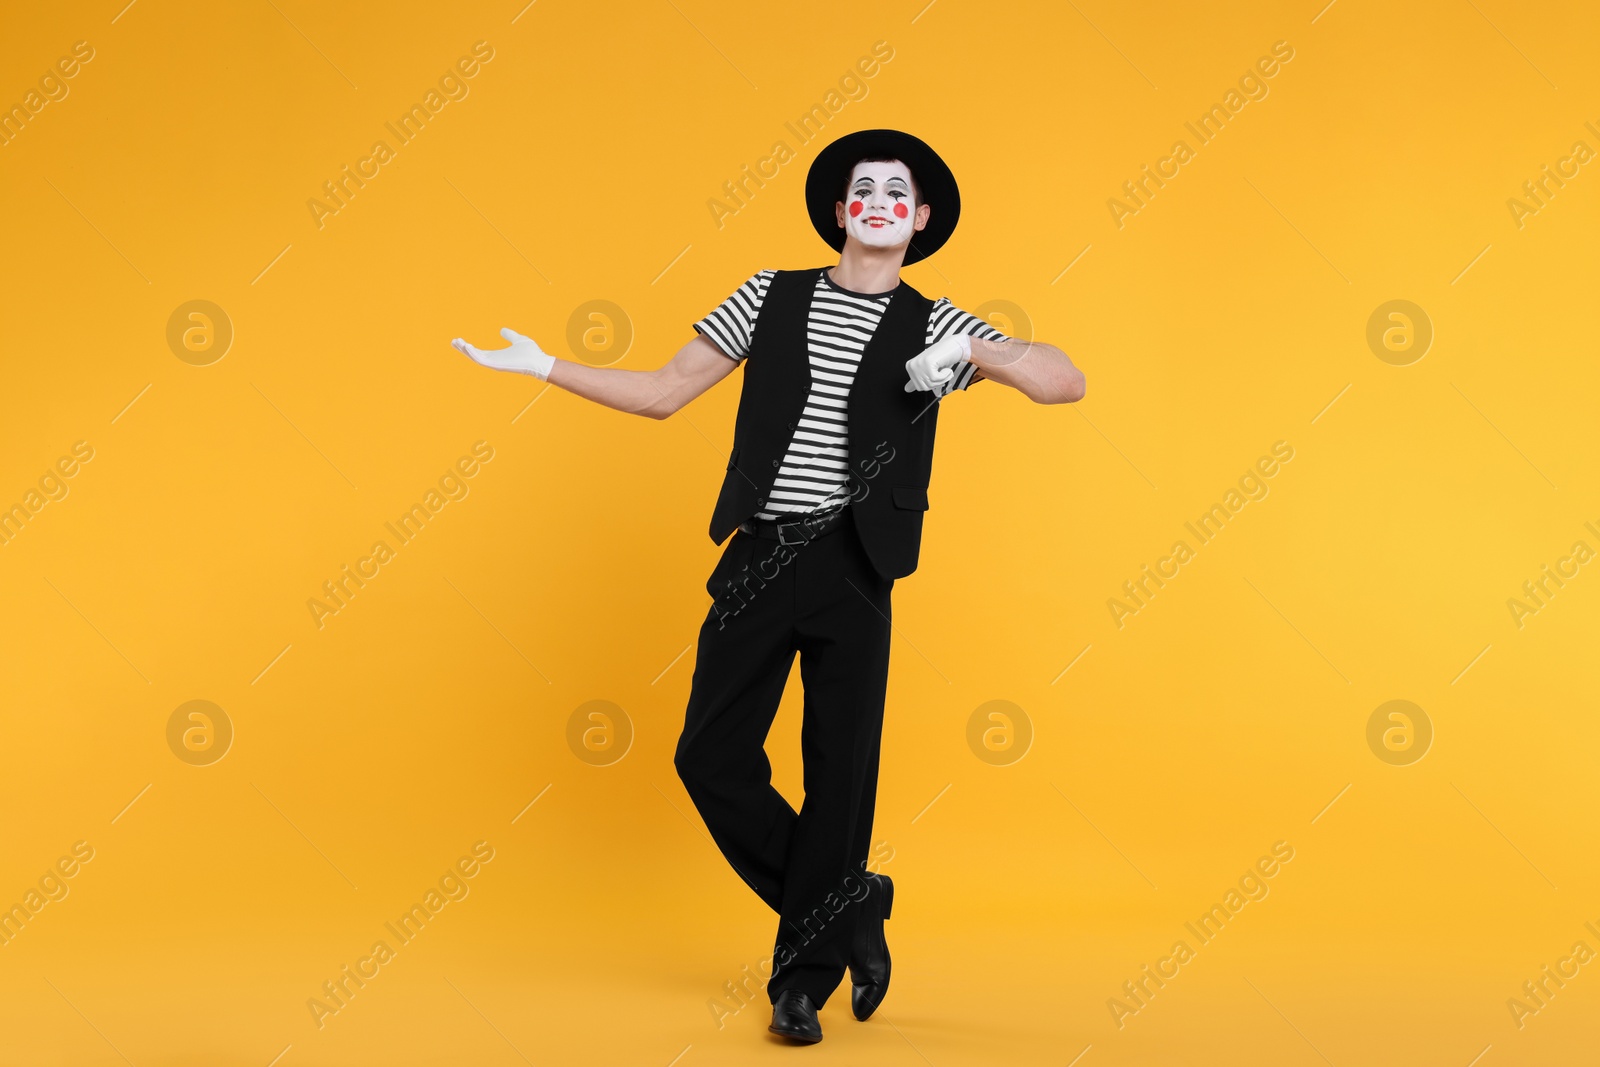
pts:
[1231, 712]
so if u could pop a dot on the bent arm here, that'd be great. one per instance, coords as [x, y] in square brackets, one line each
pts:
[655, 394]
[1041, 372]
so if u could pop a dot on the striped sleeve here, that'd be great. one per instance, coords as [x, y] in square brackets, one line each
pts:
[948, 320]
[731, 323]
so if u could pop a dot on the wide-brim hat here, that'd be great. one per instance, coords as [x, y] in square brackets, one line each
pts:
[831, 170]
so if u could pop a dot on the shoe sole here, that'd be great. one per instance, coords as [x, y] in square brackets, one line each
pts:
[804, 1039]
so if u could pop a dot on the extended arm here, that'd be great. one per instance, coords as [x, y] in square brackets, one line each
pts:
[655, 394]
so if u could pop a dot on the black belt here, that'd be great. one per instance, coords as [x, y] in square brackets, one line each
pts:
[795, 531]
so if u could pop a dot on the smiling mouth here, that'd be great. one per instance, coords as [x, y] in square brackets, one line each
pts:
[878, 219]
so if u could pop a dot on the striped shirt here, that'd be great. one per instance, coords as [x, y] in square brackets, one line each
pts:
[815, 467]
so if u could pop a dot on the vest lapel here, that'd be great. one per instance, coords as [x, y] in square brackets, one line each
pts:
[881, 377]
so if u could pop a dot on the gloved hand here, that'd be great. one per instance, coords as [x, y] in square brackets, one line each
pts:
[524, 356]
[933, 367]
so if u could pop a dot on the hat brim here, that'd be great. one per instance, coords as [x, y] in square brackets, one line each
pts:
[831, 169]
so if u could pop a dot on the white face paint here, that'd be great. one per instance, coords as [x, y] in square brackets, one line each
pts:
[878, 209]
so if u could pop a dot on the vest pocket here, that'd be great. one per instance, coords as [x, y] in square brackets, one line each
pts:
[914, 497]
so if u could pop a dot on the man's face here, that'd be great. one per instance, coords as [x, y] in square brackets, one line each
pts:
[878, 209]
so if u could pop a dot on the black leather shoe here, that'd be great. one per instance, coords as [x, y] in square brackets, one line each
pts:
[869, 953]
[795, 1017]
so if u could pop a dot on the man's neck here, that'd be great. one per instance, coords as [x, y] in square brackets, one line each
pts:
[868, 270]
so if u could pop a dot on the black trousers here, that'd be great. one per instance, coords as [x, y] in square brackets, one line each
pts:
[824, 600]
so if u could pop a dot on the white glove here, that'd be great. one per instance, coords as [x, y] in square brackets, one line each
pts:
[524, 356]
[933, 367]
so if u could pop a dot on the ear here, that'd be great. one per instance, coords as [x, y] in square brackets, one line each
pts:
[838, 213]
[921, 218]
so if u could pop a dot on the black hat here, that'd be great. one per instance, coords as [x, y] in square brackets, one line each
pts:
[831, 170]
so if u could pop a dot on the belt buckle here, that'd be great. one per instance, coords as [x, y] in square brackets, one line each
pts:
[811, 522]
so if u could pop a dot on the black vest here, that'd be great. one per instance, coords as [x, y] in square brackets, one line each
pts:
[891, 431]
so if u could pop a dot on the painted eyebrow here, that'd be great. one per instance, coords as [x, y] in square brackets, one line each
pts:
[868, 181]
